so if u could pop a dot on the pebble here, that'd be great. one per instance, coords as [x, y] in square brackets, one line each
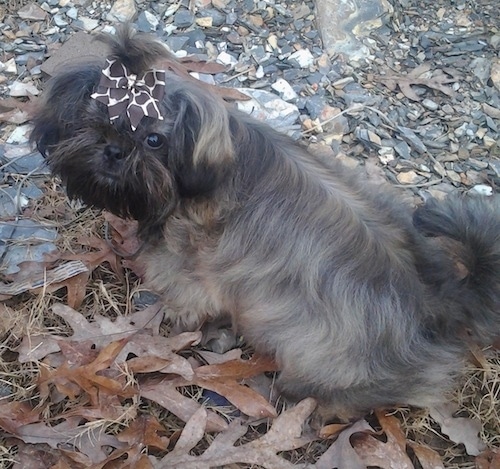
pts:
[268, 107]
[495, 73]
[429, 104]
[147, 22]
[19, 89]
[183, 19]
[284, 89]
[122, 11]
[409, 177]
[303, 57]
[482, 189]
[32, 11]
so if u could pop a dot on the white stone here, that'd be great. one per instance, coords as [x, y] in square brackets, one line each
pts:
[122, 11]
[266, 106]
[89, 24]
[226, 59]
[19, 89]
[284, 89]
[303, 57]
[482, 189]
[152, 20]
[20, 134]
[10, 66]
[72, 13]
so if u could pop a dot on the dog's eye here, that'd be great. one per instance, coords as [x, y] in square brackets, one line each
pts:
[154, 140]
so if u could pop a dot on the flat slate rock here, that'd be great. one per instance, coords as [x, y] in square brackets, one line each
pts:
[81, 47]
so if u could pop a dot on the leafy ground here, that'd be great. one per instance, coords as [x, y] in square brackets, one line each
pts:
[91, 377]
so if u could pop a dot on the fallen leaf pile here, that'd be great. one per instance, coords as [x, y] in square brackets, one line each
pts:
[110, 387]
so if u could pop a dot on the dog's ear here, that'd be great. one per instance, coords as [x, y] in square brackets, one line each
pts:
[200, 148]
[60, 109]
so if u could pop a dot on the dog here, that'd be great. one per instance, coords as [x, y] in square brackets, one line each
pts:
[363, 301]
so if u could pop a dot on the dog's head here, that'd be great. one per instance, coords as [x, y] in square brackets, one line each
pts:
[132, 138]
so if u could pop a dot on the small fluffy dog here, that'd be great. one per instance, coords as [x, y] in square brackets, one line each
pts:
[362, 302]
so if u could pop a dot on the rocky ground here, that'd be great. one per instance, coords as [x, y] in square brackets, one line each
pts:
[420, 108]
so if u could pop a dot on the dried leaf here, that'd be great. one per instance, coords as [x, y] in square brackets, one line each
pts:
[459, 429]
[101, 331]
[437, 81]
[164, 392]
[147, 431]
[16, 414]
[427, 457]
[223, 379]
[341, 454]
[374, 452]
[90, 440]
[86, 377]
[123, 235]
[285, 434]
[490, 459]
[157, 353]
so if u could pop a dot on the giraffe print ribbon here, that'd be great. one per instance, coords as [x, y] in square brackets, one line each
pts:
[123, 91]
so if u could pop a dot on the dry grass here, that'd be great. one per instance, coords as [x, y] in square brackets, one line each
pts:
[478, 394]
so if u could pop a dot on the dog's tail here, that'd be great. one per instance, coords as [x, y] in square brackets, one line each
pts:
[466, 231]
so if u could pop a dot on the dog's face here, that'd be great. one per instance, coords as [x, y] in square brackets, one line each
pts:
[142, 173]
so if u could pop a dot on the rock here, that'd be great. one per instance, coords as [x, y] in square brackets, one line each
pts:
[147, 22]
[284, 89]
[386, 155]
[303, 57]
[10, 66]
[266, 106]
[32, 11]
[183, 19]
[122, 11]
[20, 135]
[481, 68]
[88, 24]
[204, 22]
[429, 104]
[495, 73]
[227, 59]
[72, 13]
[332, 121]
[60, 21]
[481, 189]
[19, 89]
[80, 47]
[412, 139]
[343, 22]
[409, 177]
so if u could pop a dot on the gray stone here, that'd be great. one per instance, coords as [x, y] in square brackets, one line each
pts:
[303, 57]
[429, 104]
[284, 89]
[268, 107]
[122, 11]
[344, 22]
[183, 19]
[147, 22]
[32, 11]
[412, 139]
[31, 241]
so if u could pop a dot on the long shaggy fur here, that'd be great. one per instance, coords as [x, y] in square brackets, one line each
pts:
[363, 303]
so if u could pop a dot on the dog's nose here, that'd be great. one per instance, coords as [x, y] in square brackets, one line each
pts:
[114, 152]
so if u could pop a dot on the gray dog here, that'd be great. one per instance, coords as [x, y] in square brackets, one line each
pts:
[362, 302]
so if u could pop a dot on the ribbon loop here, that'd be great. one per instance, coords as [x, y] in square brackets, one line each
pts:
[121, 91]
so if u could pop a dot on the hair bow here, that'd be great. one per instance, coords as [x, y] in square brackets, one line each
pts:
[121, 90]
